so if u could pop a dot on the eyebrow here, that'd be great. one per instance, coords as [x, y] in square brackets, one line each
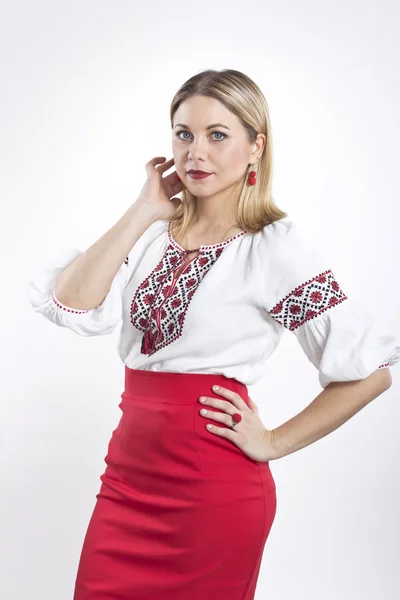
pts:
[209, 126]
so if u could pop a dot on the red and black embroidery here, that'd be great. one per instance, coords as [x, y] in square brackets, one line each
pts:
[126, 260]
[308, 301]
[159, 306]
[160, 303]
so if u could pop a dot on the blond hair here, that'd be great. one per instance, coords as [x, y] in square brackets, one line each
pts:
[238, 92]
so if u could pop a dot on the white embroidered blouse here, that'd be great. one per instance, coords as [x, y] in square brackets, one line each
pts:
[227, 309]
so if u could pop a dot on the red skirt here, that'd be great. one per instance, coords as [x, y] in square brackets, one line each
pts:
[182, 514]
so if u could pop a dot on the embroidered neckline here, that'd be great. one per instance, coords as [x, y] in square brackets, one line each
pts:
[201, 247]
[161, 301]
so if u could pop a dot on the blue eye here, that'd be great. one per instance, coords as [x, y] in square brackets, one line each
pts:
[220, 133]
[178, 133]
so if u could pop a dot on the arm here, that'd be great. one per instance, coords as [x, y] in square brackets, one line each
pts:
[86, 281]
[335, 405]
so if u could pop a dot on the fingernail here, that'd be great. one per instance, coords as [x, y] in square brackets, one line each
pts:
[215, 387]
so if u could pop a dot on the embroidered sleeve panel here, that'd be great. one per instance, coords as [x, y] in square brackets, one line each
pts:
[308, 300]
[301, 292]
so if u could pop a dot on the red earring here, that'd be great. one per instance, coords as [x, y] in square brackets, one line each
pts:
[252, 178]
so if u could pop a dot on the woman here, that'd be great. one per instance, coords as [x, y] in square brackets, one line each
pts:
[209, 284]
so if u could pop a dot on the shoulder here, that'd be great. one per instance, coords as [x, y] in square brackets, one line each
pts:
[279, 229]
[289, 258]
[285, 233]
[285, 243]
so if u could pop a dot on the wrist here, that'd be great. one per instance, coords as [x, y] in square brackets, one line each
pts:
[276, 447]
[137, 212]
[271, 449]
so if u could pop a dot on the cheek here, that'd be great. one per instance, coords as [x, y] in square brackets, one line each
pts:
[178, 151]
[175, 145]
[235, 160]
[177, 155]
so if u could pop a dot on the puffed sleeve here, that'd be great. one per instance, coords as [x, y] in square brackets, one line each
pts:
[339, 337]
[97, 321]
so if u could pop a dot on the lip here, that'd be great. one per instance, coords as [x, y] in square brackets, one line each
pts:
[198, 174]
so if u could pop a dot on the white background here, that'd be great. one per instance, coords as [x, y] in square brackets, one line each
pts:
[86, 89]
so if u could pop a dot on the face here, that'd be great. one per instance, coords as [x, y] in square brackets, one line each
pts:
[222, 150]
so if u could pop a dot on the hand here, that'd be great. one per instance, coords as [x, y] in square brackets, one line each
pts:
[157, 192]
[249, 435]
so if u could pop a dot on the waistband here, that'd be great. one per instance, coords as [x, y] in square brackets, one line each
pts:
[178, 388]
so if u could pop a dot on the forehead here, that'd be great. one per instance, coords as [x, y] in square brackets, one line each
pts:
[201, 111]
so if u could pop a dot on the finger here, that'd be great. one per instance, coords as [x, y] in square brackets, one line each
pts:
[176, 188]
[220, 417]
[173, 188]
[173, 181]
[231, 396]
[226, 432]
[167, 164]
[176, 202]
[224, 405]
[151, 165]
[253, 405]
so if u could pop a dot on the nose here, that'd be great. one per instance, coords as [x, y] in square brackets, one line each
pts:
[198, 149]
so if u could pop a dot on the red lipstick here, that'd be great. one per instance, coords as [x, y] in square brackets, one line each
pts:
[194, 174]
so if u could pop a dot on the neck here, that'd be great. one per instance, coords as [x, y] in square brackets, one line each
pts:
[216, 213]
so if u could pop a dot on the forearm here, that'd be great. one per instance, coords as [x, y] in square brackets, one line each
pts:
[85, 283]
[335, 405]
